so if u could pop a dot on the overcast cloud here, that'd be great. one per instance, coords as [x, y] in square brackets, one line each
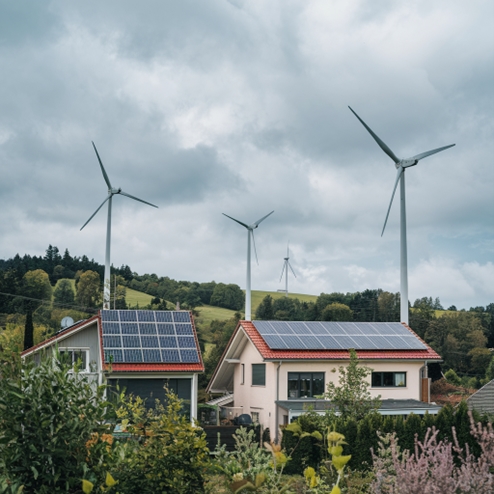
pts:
[241, 107]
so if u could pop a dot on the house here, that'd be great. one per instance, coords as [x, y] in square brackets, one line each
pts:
[273, 370]
[483, 399]
[137, 350]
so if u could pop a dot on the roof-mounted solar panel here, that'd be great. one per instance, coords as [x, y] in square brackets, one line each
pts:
[331, 335]
[133, 336]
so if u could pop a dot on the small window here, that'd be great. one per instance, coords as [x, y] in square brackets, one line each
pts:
[242, 373]
[305, 384]
[389, 379]
[255, 417]
[73, 357]
[258, 374]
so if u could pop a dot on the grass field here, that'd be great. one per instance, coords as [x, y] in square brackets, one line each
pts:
[133, 297]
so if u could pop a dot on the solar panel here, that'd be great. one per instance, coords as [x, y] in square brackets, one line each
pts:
[145, 336]
[331, 335]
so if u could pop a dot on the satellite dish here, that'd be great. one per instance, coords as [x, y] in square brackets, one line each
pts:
[66, 322]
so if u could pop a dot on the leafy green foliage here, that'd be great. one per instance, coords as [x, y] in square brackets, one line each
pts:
[352, 397]
[168, 453]
[63, 294]
[53, 430]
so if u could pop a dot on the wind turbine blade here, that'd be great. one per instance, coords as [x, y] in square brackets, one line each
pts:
[239, 222]
[254, 243]
[105, 176]
[137, 199]
[283, 270]
[398, 176]
[256, 224]
[94, 214]
[381, 143]
[288, 262]
[433, 151]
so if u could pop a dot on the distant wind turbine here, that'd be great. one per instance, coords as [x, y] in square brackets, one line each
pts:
[401, 165]
[111, 193]
[287, 265]
[250, 232]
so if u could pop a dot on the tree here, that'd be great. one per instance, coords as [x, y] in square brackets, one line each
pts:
[29, 331]
[389, 306]
[88, 289]
[264, 310]
[227, 296]
[351, 396]
[63, 294]
[337, 312]
[36, 288]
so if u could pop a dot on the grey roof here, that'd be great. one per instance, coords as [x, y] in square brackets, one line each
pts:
[483, 399]
[388, 407]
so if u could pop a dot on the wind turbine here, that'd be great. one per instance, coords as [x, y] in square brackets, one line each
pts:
[287, 265]
[401, 165]
[111, 193]
[250, 232]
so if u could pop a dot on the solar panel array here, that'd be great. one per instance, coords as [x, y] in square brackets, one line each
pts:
[324, 335]
[147, 336]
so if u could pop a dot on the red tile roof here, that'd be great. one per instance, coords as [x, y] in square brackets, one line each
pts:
[269, 354]
[158, 367]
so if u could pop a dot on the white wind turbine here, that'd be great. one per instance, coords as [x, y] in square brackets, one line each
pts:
[401, 165]
[111, 193]
[250, 232]
[287, 265]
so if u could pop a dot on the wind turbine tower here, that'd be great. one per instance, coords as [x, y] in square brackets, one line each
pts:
[250, 232]
[111, 192]
[401, 165]
[287, 265]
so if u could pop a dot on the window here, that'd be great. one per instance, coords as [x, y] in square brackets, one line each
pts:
[73, 356]
[242, 373]
[305, 384]
[389, 379]
[258, 374]
[255, 417]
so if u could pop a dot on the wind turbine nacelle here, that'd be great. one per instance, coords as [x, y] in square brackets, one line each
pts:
[407, 163]
[116, 191]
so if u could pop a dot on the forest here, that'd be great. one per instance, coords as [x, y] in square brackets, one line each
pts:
[36, 292]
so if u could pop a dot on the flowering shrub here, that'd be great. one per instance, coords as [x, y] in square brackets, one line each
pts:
[431, 467]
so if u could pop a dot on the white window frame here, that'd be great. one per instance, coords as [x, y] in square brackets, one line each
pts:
[75, 350]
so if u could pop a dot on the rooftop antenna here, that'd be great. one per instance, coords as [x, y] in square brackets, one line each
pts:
[111, 193]
[250, 232]
[401, 165]
[287, 265]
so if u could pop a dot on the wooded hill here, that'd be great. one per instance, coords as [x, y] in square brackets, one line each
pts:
[53, 286]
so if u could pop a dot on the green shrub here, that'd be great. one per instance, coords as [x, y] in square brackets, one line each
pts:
[52, 432]
[168, 455]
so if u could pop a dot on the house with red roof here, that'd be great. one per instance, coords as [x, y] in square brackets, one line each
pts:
[274, 370]
[139, 351]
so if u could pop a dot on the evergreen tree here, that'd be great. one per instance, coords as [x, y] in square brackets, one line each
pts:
[29, 330]
[264, 310]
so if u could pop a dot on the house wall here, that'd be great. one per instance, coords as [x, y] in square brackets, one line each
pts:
[88, 339]
[255, 399]
[261, 399]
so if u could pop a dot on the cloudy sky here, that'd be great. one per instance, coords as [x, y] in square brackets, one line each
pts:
[241, 107]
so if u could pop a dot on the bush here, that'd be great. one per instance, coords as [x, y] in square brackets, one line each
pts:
[168, 453]
[52, 427]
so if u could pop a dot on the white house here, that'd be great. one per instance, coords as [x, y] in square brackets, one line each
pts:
[272, 370]
[139, 350]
